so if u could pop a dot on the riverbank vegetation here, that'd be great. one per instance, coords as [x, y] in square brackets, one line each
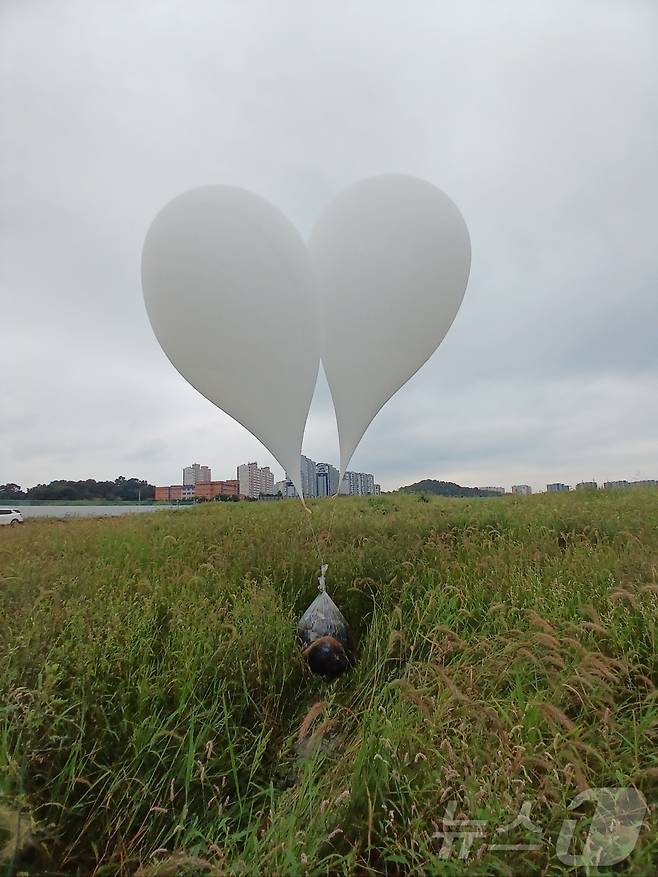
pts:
[158, 719]
[120, 490]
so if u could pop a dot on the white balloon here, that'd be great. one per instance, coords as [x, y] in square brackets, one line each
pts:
[229, 291]
[392, 257]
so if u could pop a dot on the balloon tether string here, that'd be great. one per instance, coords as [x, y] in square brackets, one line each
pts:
[322, 586]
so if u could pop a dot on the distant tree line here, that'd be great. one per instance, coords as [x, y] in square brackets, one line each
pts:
[444, 488]
[121, 489]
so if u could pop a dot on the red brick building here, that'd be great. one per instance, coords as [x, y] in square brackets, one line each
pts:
[201, 490]
[213, 489]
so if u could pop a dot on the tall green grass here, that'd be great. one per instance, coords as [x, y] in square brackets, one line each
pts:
[158, 719]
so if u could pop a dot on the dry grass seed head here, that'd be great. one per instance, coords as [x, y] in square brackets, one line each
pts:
[555, 716]
[574, 774]
[526, 653]
[177, 864]
[591, 612]
[321, 730]
[574, 644]
[395, 639]
[620, 595]
[596, 628]
[537, 763]
[456, 692]
[588, 750]
[414, 696]
[555, 660]
[537, 621]
[547, 640]
[597, 664]
[316, 710]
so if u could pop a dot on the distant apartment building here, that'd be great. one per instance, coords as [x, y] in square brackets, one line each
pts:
[378, 489]
[327, 479]
[255, 481]
[286, 488]
[521, 489]
[249, 480]
[620, 485]
[499, 491]
[558, 487]
[309, 477]
[322, 480]
[266, 481]
[358, 484]
[587, 485]
[317, 480]
[196, 473]
[350, 485]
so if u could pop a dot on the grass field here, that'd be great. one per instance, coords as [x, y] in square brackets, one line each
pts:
[157, 718]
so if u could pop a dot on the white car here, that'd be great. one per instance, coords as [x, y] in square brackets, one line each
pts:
[10, 516]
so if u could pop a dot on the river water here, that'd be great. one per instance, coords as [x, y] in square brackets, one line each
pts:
[85, 511]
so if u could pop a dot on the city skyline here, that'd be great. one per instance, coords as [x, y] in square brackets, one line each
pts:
[255, 480]
[318, 480]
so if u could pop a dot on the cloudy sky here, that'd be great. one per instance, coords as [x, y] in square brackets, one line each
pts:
[540, 119]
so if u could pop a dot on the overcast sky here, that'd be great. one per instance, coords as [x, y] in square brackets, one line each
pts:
[539, 119]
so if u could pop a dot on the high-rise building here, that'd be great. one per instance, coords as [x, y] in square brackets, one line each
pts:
[322, 479]
[327, 479]
[615, 485]
[647, 482]
[358, 484]
[249, 479]
[266, 480]
[351, 479]
[558, 487]
[586, 485]
[196, 473]
[521, 489]
[255, 481]
[309, 478]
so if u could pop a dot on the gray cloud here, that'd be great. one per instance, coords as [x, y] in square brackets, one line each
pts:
[539, 118]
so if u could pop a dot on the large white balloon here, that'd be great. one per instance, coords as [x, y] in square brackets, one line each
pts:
[229, 291]
[392, 257]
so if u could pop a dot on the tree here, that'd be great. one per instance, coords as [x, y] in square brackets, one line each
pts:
[121, 489]
[11, 491]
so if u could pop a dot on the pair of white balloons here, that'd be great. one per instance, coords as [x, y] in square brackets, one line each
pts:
[245, 310]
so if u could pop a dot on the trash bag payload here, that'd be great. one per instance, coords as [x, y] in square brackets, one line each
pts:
[325, 637]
